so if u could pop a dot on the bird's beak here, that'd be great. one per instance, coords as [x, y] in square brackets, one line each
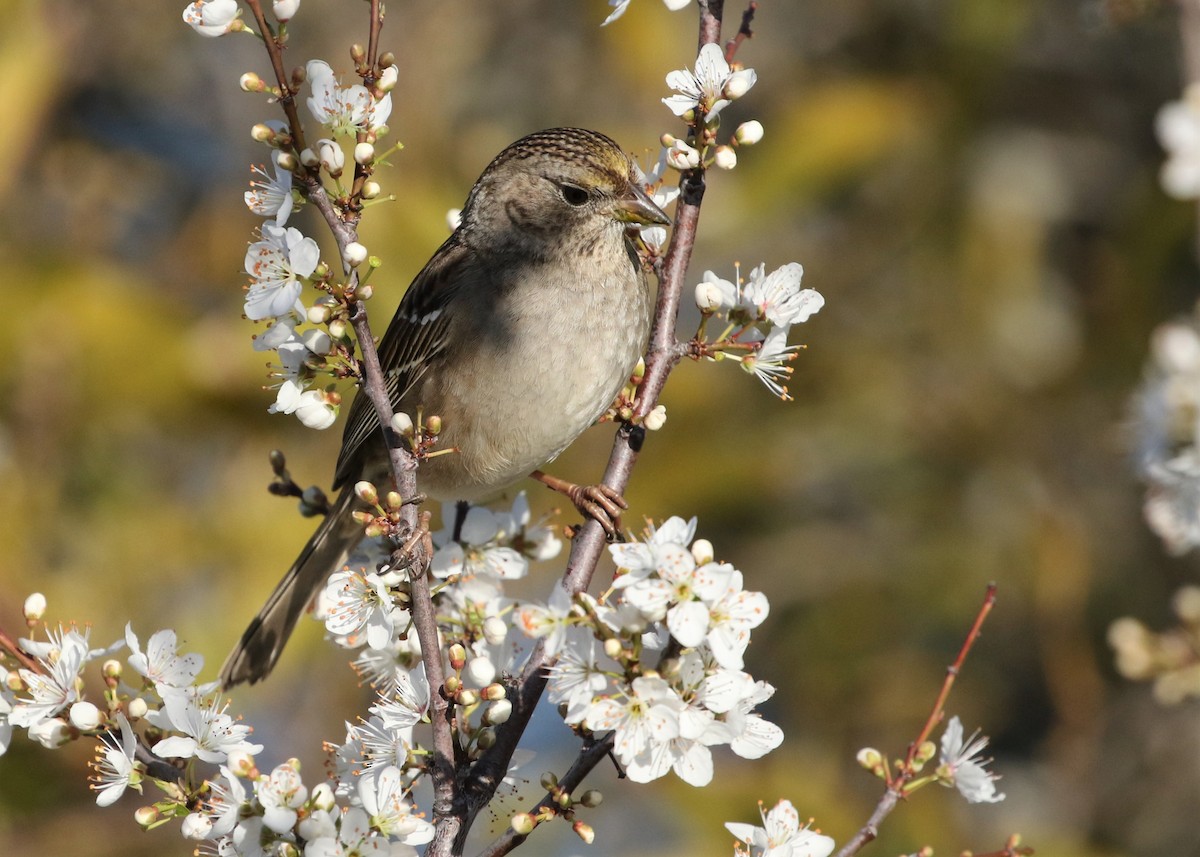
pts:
[637, 207]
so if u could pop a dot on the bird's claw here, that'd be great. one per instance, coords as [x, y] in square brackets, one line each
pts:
[602, 504]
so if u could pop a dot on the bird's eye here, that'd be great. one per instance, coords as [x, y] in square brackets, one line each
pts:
[574, 195]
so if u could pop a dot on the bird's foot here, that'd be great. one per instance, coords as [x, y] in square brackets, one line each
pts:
[598, 502]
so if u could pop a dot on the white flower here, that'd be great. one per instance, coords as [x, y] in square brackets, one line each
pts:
[357, 602]
[160, 663]
[281, 794]
[211, 17]
[777, 296]
[767, 363]
[407, 705]
[277, 263]
[342, 108]
[1178, 126]
[224, 802]
[550, 622]
[780, 836]
[662, 546]
[480, 548]
[383, 797]
[315, 409]
[577, 677]
[271, 197]
[84, 716]
[209, 733]
[968, 774]
[354, 838]
[115, 767]
[732, 615]
[645, 724]
[621, 5]
[52, 689]
[710, 86]
[6, 706]
[751, 736]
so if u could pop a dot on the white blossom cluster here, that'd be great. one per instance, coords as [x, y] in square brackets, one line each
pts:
[1166, 421]
[760, 312]
[238, 811]
[782, 835]
[659, 664]
[283, 259]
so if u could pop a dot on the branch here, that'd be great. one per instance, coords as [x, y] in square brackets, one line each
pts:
[895, 787]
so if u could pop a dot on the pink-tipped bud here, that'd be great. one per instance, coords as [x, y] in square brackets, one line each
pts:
[367, 493]
[251, 82]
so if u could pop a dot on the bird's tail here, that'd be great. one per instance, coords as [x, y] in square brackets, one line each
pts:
[258, 650]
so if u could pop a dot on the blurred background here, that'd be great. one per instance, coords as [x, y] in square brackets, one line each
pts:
[972, 186]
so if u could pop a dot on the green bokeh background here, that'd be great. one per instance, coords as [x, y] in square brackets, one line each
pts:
[972, 186]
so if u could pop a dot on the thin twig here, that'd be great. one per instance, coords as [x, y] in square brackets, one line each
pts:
[22, 657]
[895, 787]
[287, 98]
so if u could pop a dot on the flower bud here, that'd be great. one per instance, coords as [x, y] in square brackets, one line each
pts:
[388, 79]
[871, 759]
[681, 156]
[331, 156]
[145, 816]
[656, 419]
[354, 254]
[495, 691]
[323, 797]
[84, 716]
[748, 133]
[251, 82]
[591, 798]
[549, 781]
[393, 501]
[480, 672]
[367, 493]
[371, 189]
[136, 708]
[458, 656]
[35, 607]
[467, 698]
[925, 752]
[402, 423]
[613, 648]
[522, 824]
[725, 158]
[702, 551]
[358, 53]
[365, 293]
[308, 157]
[286, 161]
[262, 133]
[739, 84]
[584, 831]
[364, 153]
[452, 685]
[433, 425]
[495, 630]
[498, 712]
[285, 10]
[196, 826]
[241, 763]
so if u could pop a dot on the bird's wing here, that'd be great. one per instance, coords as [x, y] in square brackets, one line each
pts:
[415, 338]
